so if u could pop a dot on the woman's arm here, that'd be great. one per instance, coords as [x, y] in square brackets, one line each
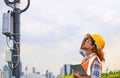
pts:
[76, 75]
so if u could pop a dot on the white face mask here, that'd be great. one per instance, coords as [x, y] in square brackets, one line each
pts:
[82, 52]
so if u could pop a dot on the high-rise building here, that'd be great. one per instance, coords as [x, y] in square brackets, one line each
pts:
[66, 70]
[49, 74]
[7, 70]
[33, 70]
[4, 74]
[21, 73]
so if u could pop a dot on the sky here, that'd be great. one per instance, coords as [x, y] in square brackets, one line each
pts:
[52, 32]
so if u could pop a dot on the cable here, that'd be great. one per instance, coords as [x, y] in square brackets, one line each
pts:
[8, 43]
[26, 7]
[10, 4]
[18, 61]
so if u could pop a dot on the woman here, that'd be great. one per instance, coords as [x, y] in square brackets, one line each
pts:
[91, 49]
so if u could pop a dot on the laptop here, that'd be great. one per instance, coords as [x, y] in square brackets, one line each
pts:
[80, 69]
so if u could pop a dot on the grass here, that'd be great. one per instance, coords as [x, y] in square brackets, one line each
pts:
[111, 74]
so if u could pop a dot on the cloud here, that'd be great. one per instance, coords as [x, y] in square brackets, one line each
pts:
[52, 31]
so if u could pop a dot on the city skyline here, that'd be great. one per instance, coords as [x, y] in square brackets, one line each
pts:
[52, 32]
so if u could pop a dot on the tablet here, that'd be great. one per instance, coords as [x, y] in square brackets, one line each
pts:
[80, 69]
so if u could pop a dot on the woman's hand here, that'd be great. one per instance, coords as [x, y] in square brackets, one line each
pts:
[76, 74]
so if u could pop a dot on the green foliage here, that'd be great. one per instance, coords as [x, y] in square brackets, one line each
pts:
[111, 74]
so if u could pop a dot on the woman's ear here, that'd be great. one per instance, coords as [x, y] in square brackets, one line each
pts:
[92, 46]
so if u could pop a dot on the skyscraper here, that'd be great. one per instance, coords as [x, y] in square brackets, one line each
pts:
[66, 70]
[21, 73]
[47, 74]
[7, 69]
[33, 70]
[4, 74]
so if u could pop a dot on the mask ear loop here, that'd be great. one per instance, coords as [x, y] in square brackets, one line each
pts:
[82, 52]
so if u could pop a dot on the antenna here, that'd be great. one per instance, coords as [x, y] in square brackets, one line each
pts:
[11, 29]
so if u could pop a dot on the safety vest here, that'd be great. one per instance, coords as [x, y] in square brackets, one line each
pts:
[87, 65]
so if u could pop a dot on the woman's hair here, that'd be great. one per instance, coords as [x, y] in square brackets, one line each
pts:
[99, 52]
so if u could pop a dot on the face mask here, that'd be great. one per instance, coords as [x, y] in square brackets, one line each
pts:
[82, 52]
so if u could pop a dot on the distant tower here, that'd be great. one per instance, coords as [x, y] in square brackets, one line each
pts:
[47, 74]
[21, 73]
[26, 69]
[66, 70]
[50, 74]
[6, 68]
[33, 70]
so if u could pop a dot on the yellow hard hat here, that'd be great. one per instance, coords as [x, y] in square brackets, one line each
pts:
[100, 43]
